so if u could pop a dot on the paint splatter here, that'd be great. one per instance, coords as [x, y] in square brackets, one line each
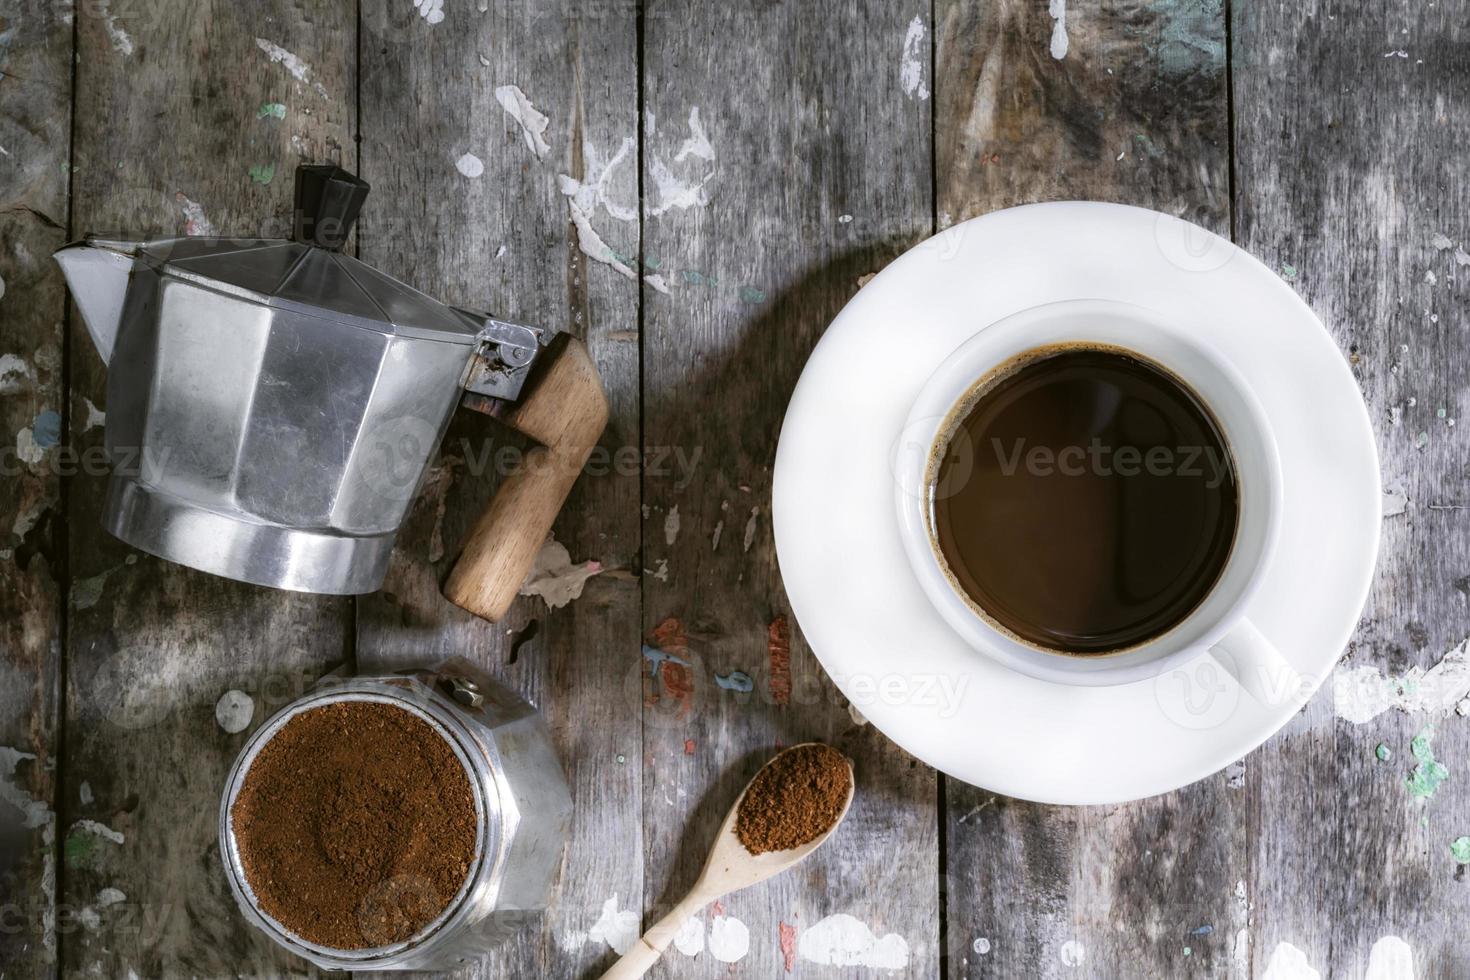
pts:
[271, 110]
[1462, 257]
[616, 927]
[981, 946]
[233, 711]
[532, 121]
[432, 11]
[1427, 776]
[299, 69]
[1057, 9]
[736, 680]
[671, 525]
[1390, 959]
[1288, 272]
[553, 576]
[1382, 752]
[16, 375]
[658, 283]
[1072, 953]
[591, 243]
[729, 939]
[34, 813]
[1394, 504]
[841, 940]
[121, 42]
[778, 643]
[689, 746]
[1460, 849]
[671, 672]
[26, 448]
[911, 62]
[689, 940]
[788, 945]
[470, 165]
[96, 829]
[752, 295]
[195, 221]
[263, 173]
[750, 528]
[698, 143]
[84, 793]
[1361, 694]
[1440, 241]
[674, 191]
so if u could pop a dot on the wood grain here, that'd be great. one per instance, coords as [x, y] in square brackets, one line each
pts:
[1136, 111]
[35, 119]
[1351, 127]
[503, 242]
[168, 111]
[817, 172]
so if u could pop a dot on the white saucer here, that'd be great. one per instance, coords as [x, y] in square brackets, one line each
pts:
[874, 630]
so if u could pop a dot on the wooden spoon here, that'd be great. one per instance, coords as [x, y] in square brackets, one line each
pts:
[730, 868]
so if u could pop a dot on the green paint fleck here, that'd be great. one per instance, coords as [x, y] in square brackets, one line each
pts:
[1460, 848]
[749, 294]
[1187, 951]
[1288, 272]
[78, 849]
[1147, 145]
[696, 278]
[263, 173]
[1440, 413]
[653, 263]
[271, 110]
[622, 758]
[1428, 774]
[1421, 440]
[1382, 752]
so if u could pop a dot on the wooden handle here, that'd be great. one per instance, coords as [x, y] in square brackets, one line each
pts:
[565, 410]
[646, 952]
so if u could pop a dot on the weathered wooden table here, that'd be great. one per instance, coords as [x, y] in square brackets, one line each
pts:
[696, 189]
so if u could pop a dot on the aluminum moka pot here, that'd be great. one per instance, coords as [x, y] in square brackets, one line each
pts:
[522, 802]
[272, 404]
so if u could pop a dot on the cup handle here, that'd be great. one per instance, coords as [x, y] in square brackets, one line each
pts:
[1257, 666]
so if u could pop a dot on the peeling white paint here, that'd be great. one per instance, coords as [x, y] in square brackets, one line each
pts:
[662, 572]
[689, 940]
[533, 123]
[1462, 257]
[553, 576]
[470, 165]
[842, 940]
[34, 813]
[911, 62]
[1072, 953]
[432, 11]
[592, 245]
[714, 539]
[674, 191]
[16, 375]
[729, 939]
[84, 793]
[95, 416]
[616, 927]
[1390, 959]
[659, 284]
[1440, 241]
[981, 946]
[1394, 504]
[1059, 41]
[1361, 694]
[299, 69]
[27, 448]
[698, 143]
[1289, 963]
[233, 711]
[98, 829]
[121, 42]
[750, 528]
[671, 525]
[592, 191]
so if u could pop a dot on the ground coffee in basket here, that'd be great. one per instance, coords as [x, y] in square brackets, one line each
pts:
[794, 800]
[355, 825]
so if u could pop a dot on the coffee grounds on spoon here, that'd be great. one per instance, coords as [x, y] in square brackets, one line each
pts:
[355, 825]
[794, 800]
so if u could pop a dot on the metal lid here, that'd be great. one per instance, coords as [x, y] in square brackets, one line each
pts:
[308, 274]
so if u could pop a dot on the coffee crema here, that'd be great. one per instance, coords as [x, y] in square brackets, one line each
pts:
[1083, 499]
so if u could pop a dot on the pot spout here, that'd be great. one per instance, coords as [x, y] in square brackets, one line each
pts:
[97, 272]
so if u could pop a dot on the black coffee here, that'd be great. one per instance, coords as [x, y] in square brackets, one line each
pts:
[1086, 500]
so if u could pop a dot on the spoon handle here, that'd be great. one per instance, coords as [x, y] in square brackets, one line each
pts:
[646, 952]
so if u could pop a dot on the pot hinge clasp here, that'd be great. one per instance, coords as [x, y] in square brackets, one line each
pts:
[502, 362]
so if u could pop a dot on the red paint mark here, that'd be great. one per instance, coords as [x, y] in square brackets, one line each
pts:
[689, 746]
[788, 945]
[670, 637]
[676, 679]
[778, 641]
[719, 910]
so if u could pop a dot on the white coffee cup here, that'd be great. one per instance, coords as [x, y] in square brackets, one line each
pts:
[1219, 623]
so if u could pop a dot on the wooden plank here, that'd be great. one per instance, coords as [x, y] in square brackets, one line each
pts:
[169, 124]
[786, 154]
[502, 241]
[35, 120]
[1127, 103]
[1351, 130]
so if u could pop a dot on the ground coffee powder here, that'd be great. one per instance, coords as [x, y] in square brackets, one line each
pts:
[355, 824]
[794, 800]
